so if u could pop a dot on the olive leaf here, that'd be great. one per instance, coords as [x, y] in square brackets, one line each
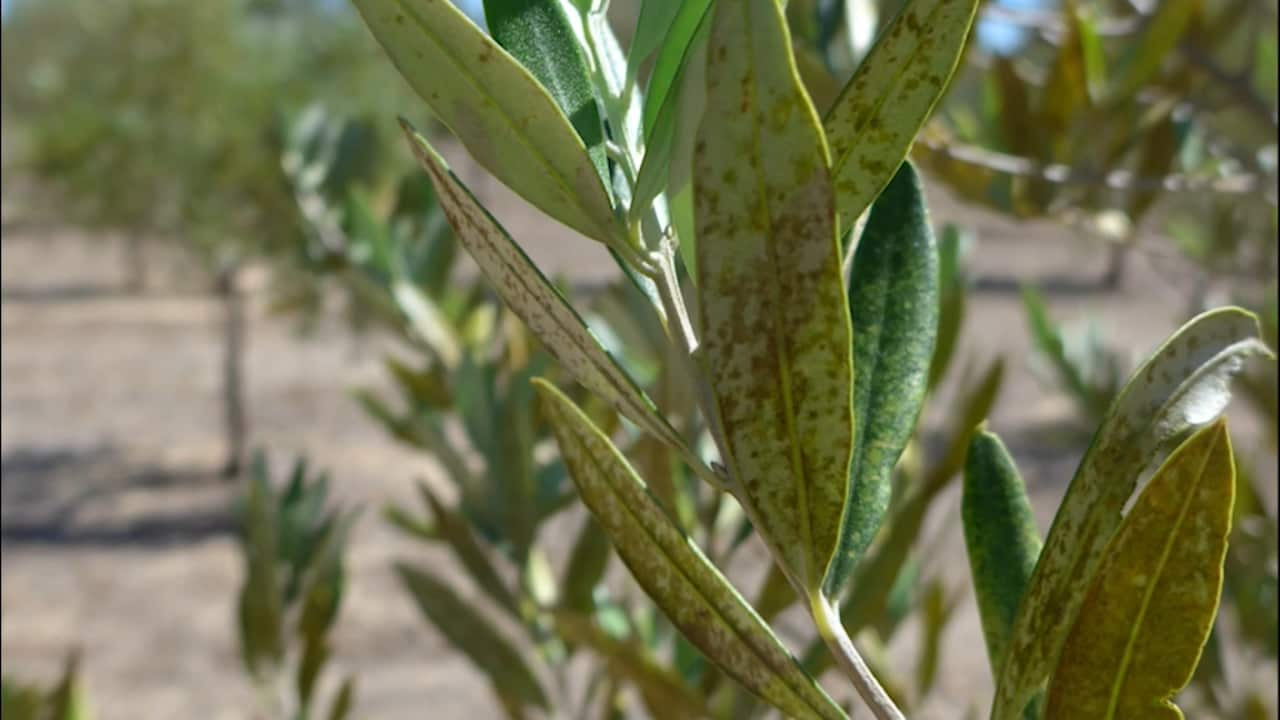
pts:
[876, 117]
[500, 112]
[673, 571]
[893, 300]
[654, 170]
[537, 302]
[1001, 537]
[537, 33]
[1148, 611]
[472, 634]
[453, 528]
[587, 564]
[775, 322]
[1185, 384]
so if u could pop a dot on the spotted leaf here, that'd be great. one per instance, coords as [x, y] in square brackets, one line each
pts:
[774, 318]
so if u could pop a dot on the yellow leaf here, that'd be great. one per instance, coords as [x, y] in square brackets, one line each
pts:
[1149, 609]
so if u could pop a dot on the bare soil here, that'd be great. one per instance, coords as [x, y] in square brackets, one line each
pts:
[115, 528]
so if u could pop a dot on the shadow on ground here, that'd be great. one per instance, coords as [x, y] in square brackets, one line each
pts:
[57, 496]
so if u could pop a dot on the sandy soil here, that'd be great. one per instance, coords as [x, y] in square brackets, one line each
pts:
[116, 535]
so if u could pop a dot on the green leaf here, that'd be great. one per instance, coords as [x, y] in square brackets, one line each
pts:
[1184, 385]
[587, 562]
[1159, 37]
[503, 116]
[474, 636]
[953, 287]
[1149, 609]
[1001, 537]
[886, 102]
[67, 701]
[259, 608]
[654, 170]
[672, 56]
[775, 322]
[1048, 340]
[451, 527]
[893, 299]
[655, 24]
[529, 294]
[876, 577]
[673, 571]
[537, 33]
[665, 694]
[342, 702]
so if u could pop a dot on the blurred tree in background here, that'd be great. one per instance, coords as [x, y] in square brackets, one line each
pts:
[1124, 119]
[163, 120]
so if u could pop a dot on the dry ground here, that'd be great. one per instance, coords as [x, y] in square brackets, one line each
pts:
[116, 536]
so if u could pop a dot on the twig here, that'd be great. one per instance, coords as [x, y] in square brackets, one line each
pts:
[1237, 85]
[850, 661]
[1059, 174]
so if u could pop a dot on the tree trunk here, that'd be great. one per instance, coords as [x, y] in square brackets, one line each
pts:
[1116, 262]
[233, 342]
[135, 264]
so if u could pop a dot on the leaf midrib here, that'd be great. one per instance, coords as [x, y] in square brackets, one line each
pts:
[1123, 670]
[562, 183]
[780, 337]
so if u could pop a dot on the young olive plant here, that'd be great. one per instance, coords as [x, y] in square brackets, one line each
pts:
[294, 549]
[748, 223]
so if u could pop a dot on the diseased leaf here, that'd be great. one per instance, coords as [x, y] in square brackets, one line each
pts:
[876, 117]
[537, 33]
[1001, 537]
[672, 570]
[536, 301]
[893, 300]
[775, 323]
[1148, 611]
[474, 636]
[1185, 384]
[503, 116]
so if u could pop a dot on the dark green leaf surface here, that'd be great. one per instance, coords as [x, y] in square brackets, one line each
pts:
[1001, 537]
[893, 301]
[537, 33]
